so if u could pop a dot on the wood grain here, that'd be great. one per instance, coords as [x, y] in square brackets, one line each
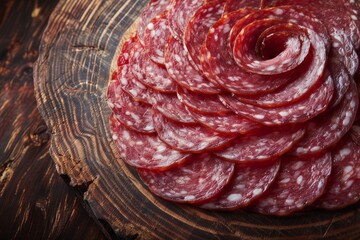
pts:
[71, 77]
[35, 202]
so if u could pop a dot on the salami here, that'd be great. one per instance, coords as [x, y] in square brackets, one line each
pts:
[154, 8]
[171, 107]
[341, 80]
[181, 70]
[300, 182]
[188, 138]
[258, 148]
[343, 188]
[234, 5]
[201, 178]
[156, 33]
[126, 50]
[144, 150]
[248, 184]
[326, 130]
[301, 111]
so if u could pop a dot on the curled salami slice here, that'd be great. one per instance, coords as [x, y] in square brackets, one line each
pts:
[151, 10]
[301, 111]
[188, 138]
[149, 73]
[156, 33]
[248, 184]
[202, 177]
[221, 67]
[326, 130]
[299, 183]
[343, 187]
[262, 147]
[126, 50]
[180, 14]
[341, 80]
[134, 88]
[198, 28]
[355, 133]
[134, 115]
[144, 150]
[226, 123]
[201, 102]
[171, 107]
[234, 5]
[181, 70]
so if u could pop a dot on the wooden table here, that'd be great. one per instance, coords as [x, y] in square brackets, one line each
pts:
[107, 199]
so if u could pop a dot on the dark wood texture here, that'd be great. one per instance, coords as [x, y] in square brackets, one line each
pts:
[35, 202]
[71, 78]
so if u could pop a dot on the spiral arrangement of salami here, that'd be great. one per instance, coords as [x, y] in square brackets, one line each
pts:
[251, 104]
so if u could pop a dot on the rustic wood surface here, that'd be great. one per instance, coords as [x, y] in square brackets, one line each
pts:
[35, 202]
[71, 78]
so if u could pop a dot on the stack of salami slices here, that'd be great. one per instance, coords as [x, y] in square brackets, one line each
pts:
[242, 103]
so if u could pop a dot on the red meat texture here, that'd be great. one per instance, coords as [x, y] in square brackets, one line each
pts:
[229, 105]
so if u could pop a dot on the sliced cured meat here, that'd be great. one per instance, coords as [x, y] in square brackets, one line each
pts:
[149, 73]
[144, 150]
[181, 70]
[198, 28]
[134, 88]
[288, 39]
[326, 130]
[299, 183]
[151, 10]
[248, 184]
[343, 187]
[188, 138]
[156, 33]
[301, 111]
[234, 5]
[226, 123]
[201, 102]
[341, 80]
[170, 106]
[199, 179]
[126, 50]
[270, 144]
[134, 115]
[180, 14]
[222, 67]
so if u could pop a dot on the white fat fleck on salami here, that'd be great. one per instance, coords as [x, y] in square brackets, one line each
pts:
[247, 185]
[182, 184]
[181, 70]
[144, 150]
[263, 146]
[298, 112]
[301, 188]
[343, 188]
[188, 138]
[326, 130]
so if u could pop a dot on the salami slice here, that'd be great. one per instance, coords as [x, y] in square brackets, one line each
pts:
[170, 106]
[180, 15]
[226, 123]
[188, 138]
[126, 50]
[198, 28]
[248, 184]
[202, 177]
[343, 188]
[234, 5]
[181, 70]
[354, 133]
[132, 114]
[326, 130]
[151, 10]
[201, 102]
[301, 111]
[144, 150]
[221, 67]
[299, 183]
[156, 33]
[341, 79]
[262, 147]
[149, 73]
